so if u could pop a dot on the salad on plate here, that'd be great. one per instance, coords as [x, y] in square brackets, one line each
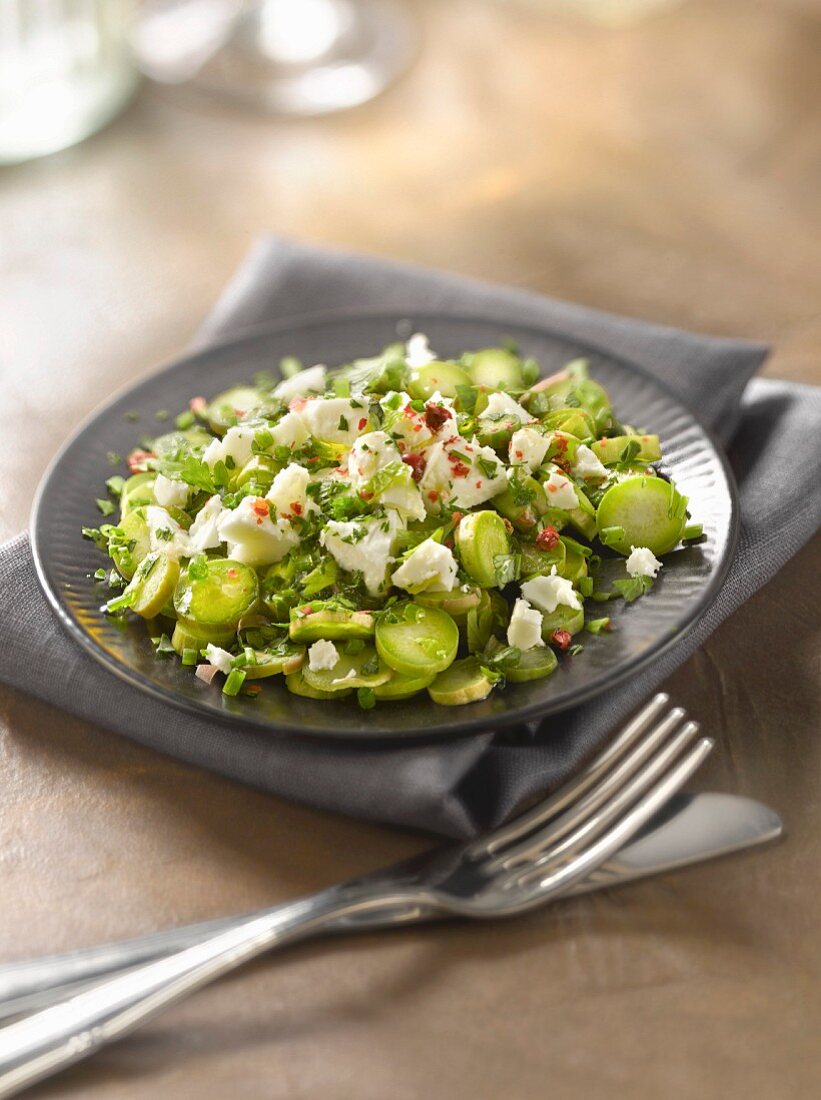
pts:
[400, 524]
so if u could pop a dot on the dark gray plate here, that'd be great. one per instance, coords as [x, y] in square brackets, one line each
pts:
[687, 585]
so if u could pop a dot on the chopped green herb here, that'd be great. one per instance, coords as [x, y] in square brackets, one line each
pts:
[233, 682]
[633, 587]
[596, 626]
[105, 506]
[185, 420]
[366, 698]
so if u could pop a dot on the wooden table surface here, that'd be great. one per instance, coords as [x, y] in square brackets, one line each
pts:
[668, 170]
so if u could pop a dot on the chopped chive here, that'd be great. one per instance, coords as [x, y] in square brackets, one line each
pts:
[366, 698]
[105, 506]
[100, 574]
[163, 645]
[185, 420]
[233, 682]
[596, 626]
[586, 586]
[692, 532]
[189, 656]
[575, 650]
[115, 485]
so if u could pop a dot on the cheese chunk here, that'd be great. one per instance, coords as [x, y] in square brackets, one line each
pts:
[561, 492]
[203, 533]
[525, 628]
[289, 492]
[165, 533]
[307, 381]
[252, 537]
[547, 593]
[430, 567]
[501, 406]
[528, 448]
[170, 494]
[363, 546]
[323, 655]
[642, 562]
[588, 464]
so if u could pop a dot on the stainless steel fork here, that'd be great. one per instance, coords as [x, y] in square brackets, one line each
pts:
[539, 856]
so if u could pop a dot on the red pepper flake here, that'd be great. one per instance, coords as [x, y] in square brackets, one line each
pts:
[519, 454]
[457, 518]
[363, 423]
[252, 689]
[231, 573]
[436, 416]
[197, 405]
[417, 464]
[306, 610]
[459, 468]
[259, 506]
[433, 495]
[478, 485]
[644, 439]
[365, 494]
[137, 461]
[551, 487]
[560, 638]
[296, 507]
[561, 444]
[548, 538]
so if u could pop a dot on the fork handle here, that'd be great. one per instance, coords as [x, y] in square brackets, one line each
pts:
[48, 1041]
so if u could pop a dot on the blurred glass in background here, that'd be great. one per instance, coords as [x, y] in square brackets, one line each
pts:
[291, 57]
[66, 69]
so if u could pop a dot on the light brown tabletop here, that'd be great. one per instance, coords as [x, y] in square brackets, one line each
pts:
[668, 170]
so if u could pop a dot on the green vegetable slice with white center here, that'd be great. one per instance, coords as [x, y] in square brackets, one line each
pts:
[416, 640]
[481, 538]
[216, 592]
[464, 682]
[363, 669]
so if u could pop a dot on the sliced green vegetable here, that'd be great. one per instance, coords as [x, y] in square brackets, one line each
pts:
[437, 377]
[416, 640]
[464, 682]
[522, 503]
[219, 595]
[188, 635]
[358, 670]
[538, 563]
[152, 584]
[285, 659]
[497, 369]
[457, 602]
[563, 618]
[138, 490]
[645, 447]
[642, 511]
[228, 407]
[534, 664]
[129, 548]
[298, 685]
[333, 625]
[481, 538]
[402, 687]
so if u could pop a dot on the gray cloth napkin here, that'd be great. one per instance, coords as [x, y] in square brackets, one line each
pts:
[459, 787]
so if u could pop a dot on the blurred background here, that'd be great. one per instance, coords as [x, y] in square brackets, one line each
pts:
[658, 158]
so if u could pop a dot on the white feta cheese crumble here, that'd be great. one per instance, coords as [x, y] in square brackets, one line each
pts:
[334, 419]
[363, 546]
[588, 465]
[170, 494]
[323, 656]
[289, 431]
[642, 562]
[547, 593]
[252, 537]
[525, 629]
[164, 533]
[501, 406]
[403, 422]
[219, 658]
[453, 473]
[307, 381]
[289, 492]
[374, 452]
[418, 352]
[235, 444]
[430, 567]
[528, 448]
[561, 492]
[203, 533]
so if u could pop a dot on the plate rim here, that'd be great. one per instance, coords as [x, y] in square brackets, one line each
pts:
[457, 727]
